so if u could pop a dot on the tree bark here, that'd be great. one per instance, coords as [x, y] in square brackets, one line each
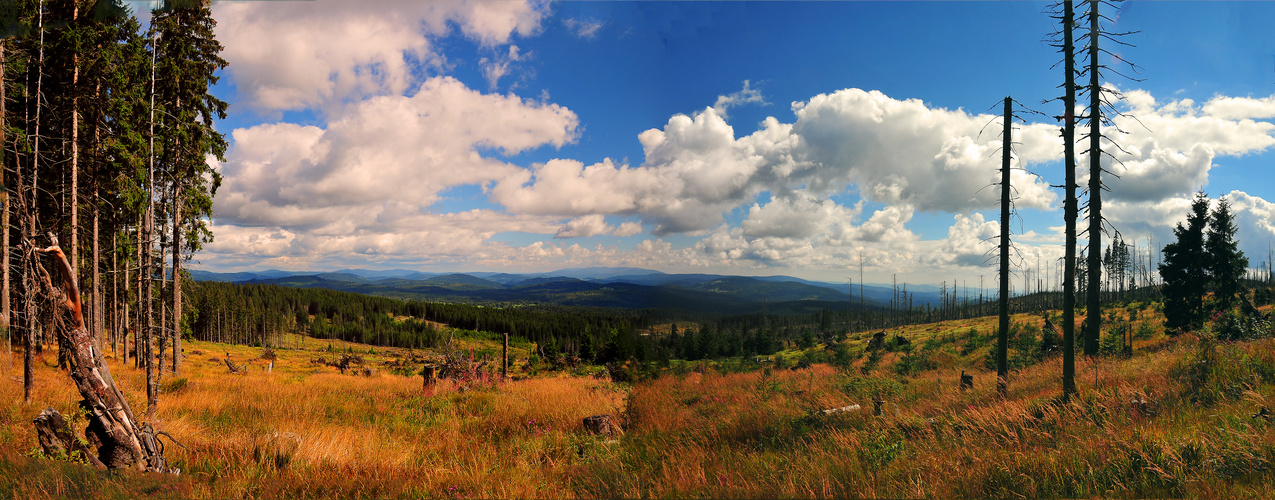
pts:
[177, 284]
[1070, 210]
[152, 395]
[110, 417]
[1002, 337]
[4, 218]
[75, 151]
[1093, 312]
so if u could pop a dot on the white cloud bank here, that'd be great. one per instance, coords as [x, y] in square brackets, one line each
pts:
[358, 189]
[298, 55]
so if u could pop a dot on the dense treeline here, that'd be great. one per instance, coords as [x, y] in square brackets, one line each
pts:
[257, 314]
[106, 130]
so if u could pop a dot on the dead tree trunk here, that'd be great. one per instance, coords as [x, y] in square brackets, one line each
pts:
[124, 443]
[1093, 301]
[1002, 336]
[1070, 209]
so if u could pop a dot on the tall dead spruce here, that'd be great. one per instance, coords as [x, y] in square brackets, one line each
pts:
[122, 442]
[1067, 18]
[1100, 110]
[1005, 245]
[1002, 335]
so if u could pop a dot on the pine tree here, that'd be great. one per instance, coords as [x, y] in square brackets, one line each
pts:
[1225, 262]
[1184, 269]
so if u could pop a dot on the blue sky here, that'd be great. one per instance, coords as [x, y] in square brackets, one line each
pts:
[752, 138]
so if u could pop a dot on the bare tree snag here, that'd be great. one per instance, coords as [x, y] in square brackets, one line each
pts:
[124, 443]
[1002, 334]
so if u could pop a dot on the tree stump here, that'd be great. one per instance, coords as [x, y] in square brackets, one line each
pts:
[599, 424]
[967, 381]
[57, 439]
[877, 342]
[877, 405]
[427, 373]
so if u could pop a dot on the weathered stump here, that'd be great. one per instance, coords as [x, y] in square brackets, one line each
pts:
[967, 381]
[57, 439]
[598, 424]
[428, 373]
[118, 429]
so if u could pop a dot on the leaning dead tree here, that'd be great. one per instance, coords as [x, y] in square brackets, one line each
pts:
[121, 441]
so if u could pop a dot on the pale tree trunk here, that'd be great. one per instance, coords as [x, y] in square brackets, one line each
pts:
[97, 285]
[4, 221]
[139, 355]
[152, 389]
[126, 320]
[75, 152]
[177, 284]
[29, 257]
[99, 303]
[115, 303]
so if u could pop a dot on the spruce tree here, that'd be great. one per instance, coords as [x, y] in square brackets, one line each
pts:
[191, 58]
[1225, 262]
[1184, 270]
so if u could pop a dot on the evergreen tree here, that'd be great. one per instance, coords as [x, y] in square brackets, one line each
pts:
[1225, 262]
[191, 57]
[1184, 269]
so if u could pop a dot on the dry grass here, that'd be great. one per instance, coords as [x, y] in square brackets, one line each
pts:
[379, 436]
[700, 434]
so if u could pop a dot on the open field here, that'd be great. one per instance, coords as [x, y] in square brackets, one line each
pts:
[1172, 420]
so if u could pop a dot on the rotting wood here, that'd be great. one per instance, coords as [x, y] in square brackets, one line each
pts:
[600, 424]
[124, 441]
[58, 439]
[241, 369]
[843, 409]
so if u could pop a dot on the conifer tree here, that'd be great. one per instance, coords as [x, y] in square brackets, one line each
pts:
[1225, 262]
[1184, 270]
[191, 57]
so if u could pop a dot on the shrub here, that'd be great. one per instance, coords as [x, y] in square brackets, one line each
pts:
[914, 363]
[1113, 342]
[841, 357]
[1232, 326]
[1144, 331]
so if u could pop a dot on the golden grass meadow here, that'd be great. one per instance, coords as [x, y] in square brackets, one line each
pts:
[1174, 419]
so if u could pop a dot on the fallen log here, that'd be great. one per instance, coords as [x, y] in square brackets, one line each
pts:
[240, 370]
[123, 442]
[843, 409]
